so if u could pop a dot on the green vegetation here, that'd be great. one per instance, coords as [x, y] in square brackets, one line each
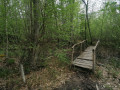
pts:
[99, 74]
[10, 61]
[33, 32]
[4, 72]
[62, 56]
[108, 87]
[54, 23]
[115, 73]
[115, 62]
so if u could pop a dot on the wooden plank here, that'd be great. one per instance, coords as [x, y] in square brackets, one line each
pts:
[89, 48]
[84, 66]
[83, 61]
[86, 56]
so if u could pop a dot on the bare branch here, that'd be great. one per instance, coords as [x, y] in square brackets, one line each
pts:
[84, 2]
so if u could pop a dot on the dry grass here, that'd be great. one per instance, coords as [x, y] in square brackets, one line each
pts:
[51, 77]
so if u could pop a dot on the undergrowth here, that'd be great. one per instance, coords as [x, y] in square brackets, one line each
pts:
[99, 74]
[62, 56]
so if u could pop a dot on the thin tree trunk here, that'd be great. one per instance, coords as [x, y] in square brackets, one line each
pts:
[102, 27]
[31, 18]
[5, 6]
[88, 22]
[35, 32]
[71, 20]
[102, 23]
[86, 4]
[85, 28]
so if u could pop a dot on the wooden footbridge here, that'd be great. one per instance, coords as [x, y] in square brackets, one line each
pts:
[85, 56]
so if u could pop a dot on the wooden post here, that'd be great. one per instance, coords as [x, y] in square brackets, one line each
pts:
[94, 55]
[85, 44]
[22, 72]
[93, 60]
[72, 53]
[81, 48]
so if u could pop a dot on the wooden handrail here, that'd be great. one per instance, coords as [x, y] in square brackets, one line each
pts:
[93, 59]
[78, 43]
[96, 45]
[94, 55]
[74, 47]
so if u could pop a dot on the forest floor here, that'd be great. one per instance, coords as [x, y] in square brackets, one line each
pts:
[86, 80]
[58, 76]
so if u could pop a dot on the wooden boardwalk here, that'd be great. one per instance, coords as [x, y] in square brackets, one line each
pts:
[87, 58]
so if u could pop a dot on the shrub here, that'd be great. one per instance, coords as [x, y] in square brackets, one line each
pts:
[115, 62]
[99, 74]
[108, 87]
[62, 56]
[114, 73]
[4, 72]
[10, 61]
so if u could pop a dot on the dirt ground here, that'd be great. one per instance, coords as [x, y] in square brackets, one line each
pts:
[56, 77]
[82, 79]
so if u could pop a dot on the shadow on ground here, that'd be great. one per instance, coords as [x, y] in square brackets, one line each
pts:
[83, 79]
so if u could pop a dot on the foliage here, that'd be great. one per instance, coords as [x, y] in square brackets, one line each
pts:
[114, 73]
[10, 61]
[108, 87]
[115, 62]
[4, 72]
[62, 56]
[108, 29]
[99, 74]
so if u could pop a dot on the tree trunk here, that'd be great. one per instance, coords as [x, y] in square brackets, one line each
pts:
[34, 29]
[5, 6]
[88, 22]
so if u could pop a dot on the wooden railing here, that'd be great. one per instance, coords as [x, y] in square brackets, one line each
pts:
[82, 47]
[94, 54]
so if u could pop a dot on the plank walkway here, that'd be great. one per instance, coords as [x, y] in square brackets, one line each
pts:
[85, 60]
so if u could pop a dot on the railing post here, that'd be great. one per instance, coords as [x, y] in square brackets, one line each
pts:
[93, 60]
[73, 47]
[80, 48]
[22, 73]
[72, 53]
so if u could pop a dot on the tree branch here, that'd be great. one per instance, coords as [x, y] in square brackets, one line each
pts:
[84, 2]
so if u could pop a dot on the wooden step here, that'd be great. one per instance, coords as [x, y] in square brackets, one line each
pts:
[83, 66]
[83, 63]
